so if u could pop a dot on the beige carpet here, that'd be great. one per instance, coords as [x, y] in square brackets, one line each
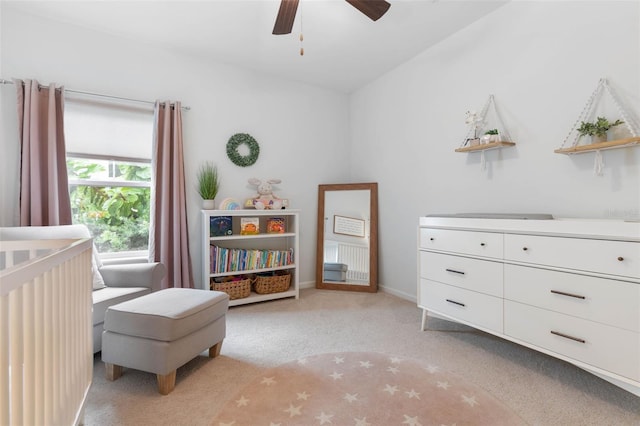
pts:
[540, 389]
[362, 389]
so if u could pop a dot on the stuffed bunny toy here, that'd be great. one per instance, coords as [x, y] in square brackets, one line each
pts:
[265, 198]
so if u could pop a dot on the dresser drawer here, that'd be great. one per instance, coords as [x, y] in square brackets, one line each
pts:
[599, 345]
[486, 244]
[606, 301]
[608, 257]
[478, 309]
[479, 275]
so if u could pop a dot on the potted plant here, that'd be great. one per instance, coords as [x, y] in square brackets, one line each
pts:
[490, 136]
[208, 185]
[597, 130]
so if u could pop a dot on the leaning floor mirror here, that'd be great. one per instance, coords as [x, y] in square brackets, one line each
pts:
[347, 250]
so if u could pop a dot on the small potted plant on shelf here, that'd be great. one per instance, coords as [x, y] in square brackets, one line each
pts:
[598, 130]
[490, 136]
[208, 185]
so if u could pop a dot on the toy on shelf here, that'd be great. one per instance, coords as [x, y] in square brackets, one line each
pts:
[266, 199]
[229, 204]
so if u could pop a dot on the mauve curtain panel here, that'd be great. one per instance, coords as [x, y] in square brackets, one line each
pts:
[44, 188]
[169, 239]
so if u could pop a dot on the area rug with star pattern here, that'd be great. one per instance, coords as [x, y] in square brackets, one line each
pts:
[362, 389]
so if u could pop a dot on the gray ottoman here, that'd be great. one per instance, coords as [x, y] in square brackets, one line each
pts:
[162, 331]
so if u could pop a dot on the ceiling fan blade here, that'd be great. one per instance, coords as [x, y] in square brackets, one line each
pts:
[286, 16]
[374, 9]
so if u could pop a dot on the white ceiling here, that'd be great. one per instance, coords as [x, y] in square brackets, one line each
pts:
[344, 50]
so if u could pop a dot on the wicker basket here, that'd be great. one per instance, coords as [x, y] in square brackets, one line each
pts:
[235, 289]
[272, 283]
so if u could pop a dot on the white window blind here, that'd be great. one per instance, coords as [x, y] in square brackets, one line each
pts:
[106, 129]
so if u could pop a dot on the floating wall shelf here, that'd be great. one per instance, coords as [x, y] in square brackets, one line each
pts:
[578, 149]
[486, 146]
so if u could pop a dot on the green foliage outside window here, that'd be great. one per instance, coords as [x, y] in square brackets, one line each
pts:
[117, 216]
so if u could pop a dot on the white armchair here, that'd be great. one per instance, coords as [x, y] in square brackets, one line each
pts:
[112, 284]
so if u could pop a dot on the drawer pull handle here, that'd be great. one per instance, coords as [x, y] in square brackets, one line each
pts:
[566, 336]
[562, 293]
[525, 248]
[620, 258]
[431, 239]
[455, 303]
[482, 244]
[454, 271]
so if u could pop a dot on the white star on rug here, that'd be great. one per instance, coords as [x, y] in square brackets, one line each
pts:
[432, 368]
[471, 400]
[294, 411]
[350, 397]
[366, 389]
[361, 422]
[324, 418]
[268, 381]
[390, 389]
[303, 395]
[413, 394]
[411, 421]
[393, 370]
[242, 402]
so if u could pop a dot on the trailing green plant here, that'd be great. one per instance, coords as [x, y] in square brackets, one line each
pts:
[491, 132]
[208, 181]
[599, 128]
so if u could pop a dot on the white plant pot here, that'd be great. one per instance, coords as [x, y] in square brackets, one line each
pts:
[208, 204]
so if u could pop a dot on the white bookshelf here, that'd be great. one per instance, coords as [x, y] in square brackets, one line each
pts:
[288, 240]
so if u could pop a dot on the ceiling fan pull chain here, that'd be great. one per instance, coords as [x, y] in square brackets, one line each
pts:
[301, 36]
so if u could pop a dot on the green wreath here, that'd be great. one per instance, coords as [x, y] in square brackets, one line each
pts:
[232, 149]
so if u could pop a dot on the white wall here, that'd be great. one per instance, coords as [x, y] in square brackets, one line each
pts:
[541, 60]
[298, 127]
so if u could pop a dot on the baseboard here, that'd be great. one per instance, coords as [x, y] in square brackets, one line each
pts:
[400, 294]
[307, 284]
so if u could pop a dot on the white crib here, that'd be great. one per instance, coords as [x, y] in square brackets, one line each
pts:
[46, 352]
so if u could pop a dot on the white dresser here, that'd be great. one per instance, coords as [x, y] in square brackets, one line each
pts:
[567, 287]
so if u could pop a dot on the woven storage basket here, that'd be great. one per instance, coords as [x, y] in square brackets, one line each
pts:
[272, 283]
[235, 289]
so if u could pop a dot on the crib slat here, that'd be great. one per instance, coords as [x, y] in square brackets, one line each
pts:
[46, 354]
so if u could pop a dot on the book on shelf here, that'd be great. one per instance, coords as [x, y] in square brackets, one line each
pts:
[225, 260]
[220, 226]
[275, 225]
[249, 225]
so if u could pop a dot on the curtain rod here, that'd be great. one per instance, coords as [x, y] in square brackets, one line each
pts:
[186, 108]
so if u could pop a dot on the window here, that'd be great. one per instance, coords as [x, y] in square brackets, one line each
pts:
[113, 198]
[109, 170]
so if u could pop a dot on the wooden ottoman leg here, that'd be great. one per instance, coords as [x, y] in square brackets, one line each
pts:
[166, 382]
[113, 371]
[214, 350]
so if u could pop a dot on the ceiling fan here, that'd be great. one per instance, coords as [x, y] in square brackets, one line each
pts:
[374, 9]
